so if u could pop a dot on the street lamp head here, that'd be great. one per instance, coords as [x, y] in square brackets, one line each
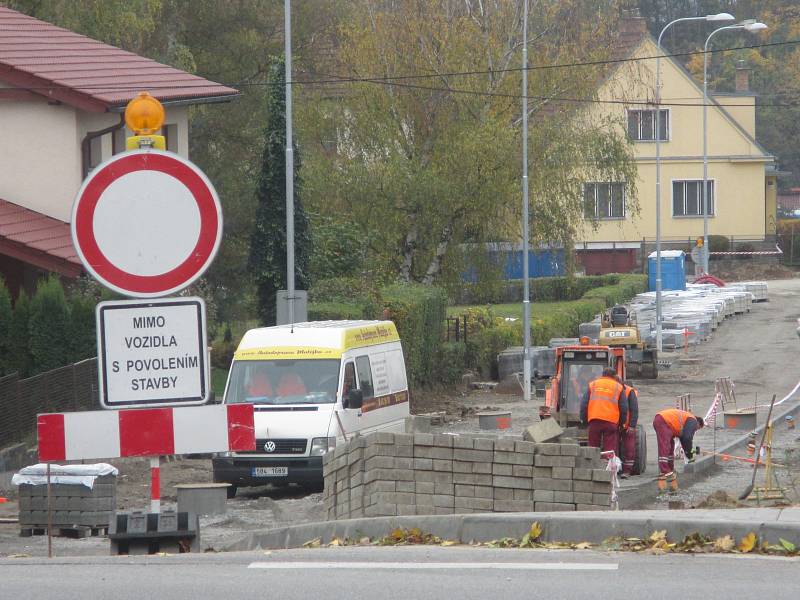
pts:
[754, 27]
[720, 17]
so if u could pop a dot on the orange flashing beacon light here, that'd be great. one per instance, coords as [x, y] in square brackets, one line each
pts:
[144, 115]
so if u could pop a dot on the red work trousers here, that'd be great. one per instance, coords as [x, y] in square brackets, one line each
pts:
[666, 453]
[603, 435]
[628, 450]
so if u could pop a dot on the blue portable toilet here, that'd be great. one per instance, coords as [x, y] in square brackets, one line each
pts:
[673, 270]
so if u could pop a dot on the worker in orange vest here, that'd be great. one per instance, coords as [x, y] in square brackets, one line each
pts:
[628, 433]
[605, 409]
[670, 424]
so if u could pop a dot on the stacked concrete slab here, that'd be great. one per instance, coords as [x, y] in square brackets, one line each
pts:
[72, 506]
[385, 474]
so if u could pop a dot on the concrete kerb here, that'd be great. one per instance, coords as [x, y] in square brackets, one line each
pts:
[590, 527]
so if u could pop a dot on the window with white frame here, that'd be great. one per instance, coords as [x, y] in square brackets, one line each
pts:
[604, 200]
[687, 198]
[642, 125]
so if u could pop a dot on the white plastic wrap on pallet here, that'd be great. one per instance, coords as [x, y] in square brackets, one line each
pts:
[63, 474]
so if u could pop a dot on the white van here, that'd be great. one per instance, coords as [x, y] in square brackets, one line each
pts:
[312, 384]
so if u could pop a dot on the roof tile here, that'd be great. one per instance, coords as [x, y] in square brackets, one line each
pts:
[86, 73]
[35, 230]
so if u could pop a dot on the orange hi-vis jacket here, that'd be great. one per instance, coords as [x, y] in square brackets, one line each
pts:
[676, 419]
[604, 394]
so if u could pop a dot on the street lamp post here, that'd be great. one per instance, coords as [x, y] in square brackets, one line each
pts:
[752, 26]
[287, 13]
[526, 302]
[715, 17]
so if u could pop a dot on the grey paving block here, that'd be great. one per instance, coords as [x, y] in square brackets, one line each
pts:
[374, 487]
[503, 494]
[404, 463]
[521, 471]
[463, 442]
[381, 510]
[424, 500]
[512, 458]
[423, 439]
[442, 440]
[548, 449]
[544, 495]
[565, 497]
[522, 483]
[543, 431]
[484, 491]
[424, 487]
[461, 466]
[444, 488]
[524, 447]
[472, 455]
[482, 467]
[478, 504]
[582, 497]
[442, 477]
[592, 507]
[472, 478]
[379, 462]
[483, 444]
[543, 472]
[423, 464]
[562, 473]
[403, 439]
[443, 501]
[406, 486]
[557, 485]
[513, 506]
[464, 491]
[440, 510]
[601, 499]
[524, 494]
[569, 449]
[504, 444]
[406, 509]
[502, 469]
[552, 507]
[583, 486]
[601, 475]
[443, 465]
[425, 510]
[546, 460]
[585, 474]
[404, 451]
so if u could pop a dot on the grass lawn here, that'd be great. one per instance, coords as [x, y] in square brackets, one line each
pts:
[539, 310]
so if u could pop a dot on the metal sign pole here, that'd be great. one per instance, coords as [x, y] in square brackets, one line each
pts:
[289, 160]
[49, 515]
[526, 302]
[155, 484]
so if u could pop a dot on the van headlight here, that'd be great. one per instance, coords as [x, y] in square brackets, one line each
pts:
[320, 446]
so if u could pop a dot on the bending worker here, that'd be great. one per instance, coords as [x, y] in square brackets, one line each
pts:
[628, 432]
[605, 409]
[670, 424]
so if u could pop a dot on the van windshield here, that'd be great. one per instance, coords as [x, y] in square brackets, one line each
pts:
[307, 381]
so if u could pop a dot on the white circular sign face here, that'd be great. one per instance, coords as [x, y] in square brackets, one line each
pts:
[146, 223]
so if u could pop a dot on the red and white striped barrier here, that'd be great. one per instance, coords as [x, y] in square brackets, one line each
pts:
[145, 432]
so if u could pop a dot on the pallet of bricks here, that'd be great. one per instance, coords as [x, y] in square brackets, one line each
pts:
[385, 474]
[82, 499]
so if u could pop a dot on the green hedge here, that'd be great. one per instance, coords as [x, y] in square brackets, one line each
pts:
[418, 311]
[543, 289]
[335, 311]
[450, 363]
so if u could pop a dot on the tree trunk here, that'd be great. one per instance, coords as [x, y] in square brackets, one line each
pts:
[409, 250]
[435, 266]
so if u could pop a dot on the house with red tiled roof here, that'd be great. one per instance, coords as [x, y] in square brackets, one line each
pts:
[62, 98]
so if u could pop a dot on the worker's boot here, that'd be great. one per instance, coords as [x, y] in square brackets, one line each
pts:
[673, 481]
[662, 483]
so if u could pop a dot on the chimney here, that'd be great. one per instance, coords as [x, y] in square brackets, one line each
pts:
[632, 23]
[742, 77]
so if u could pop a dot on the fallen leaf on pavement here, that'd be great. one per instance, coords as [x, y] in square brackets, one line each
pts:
[315, 543]
[724, 544]
[789, 546]
[583, 546]
[748, 543]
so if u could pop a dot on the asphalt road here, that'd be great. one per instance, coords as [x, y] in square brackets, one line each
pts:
[419, 573]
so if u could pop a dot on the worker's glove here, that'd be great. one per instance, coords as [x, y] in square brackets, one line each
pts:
[691, 459]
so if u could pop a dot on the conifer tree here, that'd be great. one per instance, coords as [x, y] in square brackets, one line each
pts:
[267, 261]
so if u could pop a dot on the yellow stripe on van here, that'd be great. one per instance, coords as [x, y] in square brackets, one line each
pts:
[287, 353]
[370, 335]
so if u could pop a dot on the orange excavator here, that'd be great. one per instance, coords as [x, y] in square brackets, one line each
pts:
[576, 366]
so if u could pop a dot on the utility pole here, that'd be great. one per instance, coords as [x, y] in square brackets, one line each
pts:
[287, 25]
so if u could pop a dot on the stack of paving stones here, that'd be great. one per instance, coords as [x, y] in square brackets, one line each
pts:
[385, 474]
[76, 509]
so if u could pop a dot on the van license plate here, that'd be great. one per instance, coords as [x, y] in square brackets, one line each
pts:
[270, 471]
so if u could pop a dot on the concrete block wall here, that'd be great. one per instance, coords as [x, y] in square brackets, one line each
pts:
[386, 474]
[72, 505]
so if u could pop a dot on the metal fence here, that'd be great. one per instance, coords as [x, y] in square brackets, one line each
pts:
[67, 389]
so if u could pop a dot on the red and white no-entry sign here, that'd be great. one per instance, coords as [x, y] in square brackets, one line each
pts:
[146, 223]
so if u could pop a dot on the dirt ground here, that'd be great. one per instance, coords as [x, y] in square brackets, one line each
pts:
[757, 350]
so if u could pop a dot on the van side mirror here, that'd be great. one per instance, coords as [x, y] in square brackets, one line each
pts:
[355, 399]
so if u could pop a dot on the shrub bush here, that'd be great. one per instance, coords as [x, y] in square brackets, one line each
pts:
[543, 289]
[418, 311]
[718, 243]
[483, 347]
[6, 318]
[336, 311]
[49, 326]
[745, 248]
[450, 363]
[19, 337]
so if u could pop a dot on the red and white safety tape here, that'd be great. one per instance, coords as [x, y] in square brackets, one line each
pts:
[776, 252]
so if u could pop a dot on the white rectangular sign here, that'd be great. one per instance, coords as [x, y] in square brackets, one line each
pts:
[152, 352]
